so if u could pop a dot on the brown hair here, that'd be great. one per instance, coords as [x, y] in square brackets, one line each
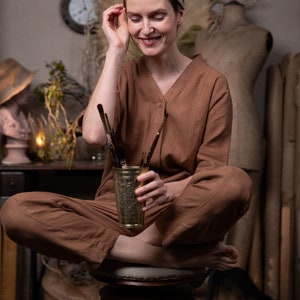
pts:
[175, 4]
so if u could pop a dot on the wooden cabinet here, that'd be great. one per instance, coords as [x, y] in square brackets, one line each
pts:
[12, 183]
[18, 265]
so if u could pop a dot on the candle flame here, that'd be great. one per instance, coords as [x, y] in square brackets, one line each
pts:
[40, 139]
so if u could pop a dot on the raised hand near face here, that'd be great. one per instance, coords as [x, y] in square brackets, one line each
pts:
[115, 27]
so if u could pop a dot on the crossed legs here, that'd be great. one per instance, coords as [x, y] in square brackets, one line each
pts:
[139, 249]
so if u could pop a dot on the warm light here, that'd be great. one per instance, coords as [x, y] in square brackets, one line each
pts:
[40, 139]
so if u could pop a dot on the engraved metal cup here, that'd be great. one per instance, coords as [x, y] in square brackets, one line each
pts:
[130, 210]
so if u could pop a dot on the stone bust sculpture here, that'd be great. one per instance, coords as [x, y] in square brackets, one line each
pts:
[15, 83]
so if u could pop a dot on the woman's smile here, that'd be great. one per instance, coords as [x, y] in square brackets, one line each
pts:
[150, 41]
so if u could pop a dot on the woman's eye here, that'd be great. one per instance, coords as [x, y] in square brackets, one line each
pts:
[134, 19]
[154, 17]
[158, 17]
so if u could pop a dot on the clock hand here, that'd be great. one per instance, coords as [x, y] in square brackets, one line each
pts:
[80, 11]
[84, 5]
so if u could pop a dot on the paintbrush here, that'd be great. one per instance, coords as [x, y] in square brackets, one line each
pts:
[145, 160]
[109, 135]
[119, 149]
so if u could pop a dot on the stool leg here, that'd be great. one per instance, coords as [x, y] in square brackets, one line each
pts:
[210, 291]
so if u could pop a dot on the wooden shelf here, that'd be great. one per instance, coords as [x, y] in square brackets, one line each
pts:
[57, 165]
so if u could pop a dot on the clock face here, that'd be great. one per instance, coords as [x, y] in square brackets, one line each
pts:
[78, 14]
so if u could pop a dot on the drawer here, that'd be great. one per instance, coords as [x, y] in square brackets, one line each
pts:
[12, 183]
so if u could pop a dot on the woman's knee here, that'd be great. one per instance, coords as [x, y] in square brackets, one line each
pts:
[9, 216]
[239, 188]
[15, 213]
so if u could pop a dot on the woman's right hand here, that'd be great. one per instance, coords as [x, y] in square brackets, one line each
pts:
[115, 27]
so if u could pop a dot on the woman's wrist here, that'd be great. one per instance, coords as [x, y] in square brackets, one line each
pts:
[116, 54]
[174, 189]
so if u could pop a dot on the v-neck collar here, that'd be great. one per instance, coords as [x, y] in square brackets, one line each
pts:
[179, 83]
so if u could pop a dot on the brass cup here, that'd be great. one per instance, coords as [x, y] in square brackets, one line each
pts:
[130, 211]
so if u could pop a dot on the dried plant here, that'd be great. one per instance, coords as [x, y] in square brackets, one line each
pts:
[55, 134]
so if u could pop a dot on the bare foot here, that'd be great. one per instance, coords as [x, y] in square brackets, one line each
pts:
[216, 255]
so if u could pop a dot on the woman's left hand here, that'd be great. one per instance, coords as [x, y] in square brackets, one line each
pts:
[153, 188]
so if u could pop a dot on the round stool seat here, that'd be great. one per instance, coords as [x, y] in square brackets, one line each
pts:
[144, 275]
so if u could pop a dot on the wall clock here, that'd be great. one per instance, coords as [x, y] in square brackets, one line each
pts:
[78, 14]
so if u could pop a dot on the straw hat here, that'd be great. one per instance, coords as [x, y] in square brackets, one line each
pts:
[14, 78]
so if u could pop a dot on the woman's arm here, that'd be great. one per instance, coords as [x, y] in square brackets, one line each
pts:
[115, 29]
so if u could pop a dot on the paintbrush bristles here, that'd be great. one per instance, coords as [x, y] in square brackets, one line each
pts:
[109, 136]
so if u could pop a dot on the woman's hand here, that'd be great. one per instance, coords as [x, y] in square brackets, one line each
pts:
[153, 188]
[115, 26]
[159, 192]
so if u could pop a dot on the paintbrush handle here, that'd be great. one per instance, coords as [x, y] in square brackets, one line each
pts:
[109, 137]
[102, 116]
[154, 144]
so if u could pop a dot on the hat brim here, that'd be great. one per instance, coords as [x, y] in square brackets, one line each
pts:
[12, 91]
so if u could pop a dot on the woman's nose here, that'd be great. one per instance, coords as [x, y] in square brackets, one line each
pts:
[147, 27]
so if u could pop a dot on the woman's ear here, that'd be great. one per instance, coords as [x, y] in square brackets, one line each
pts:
[180, 17]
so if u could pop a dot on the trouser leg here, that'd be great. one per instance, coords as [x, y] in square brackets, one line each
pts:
[210, 205]
[62, 227]
[69, 228]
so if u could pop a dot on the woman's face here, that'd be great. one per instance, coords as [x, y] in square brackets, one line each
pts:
[153, 25]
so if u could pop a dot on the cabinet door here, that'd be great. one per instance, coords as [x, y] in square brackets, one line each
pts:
[8, 267]
[12, 183]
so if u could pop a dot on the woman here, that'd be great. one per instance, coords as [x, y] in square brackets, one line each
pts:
[192, 197]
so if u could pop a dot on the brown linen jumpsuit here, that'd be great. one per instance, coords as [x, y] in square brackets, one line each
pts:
[195, 142]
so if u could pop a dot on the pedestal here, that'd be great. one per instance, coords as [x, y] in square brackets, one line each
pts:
[16, 154]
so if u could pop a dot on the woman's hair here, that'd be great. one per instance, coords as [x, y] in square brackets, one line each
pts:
[175, 4]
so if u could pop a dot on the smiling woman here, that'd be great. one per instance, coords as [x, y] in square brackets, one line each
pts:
[190, 196]
[198, 15]
[153, 26]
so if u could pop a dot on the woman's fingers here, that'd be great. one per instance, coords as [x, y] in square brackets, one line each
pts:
[153, 189]
[115, 26]
[150, 182]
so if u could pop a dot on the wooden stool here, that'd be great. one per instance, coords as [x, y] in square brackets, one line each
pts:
[133, 281]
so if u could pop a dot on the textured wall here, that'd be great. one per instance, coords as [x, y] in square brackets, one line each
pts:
[32, 31]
